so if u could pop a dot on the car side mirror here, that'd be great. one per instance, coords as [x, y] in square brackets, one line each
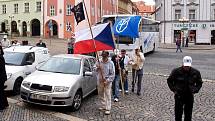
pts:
[88, 73]
[28, 63]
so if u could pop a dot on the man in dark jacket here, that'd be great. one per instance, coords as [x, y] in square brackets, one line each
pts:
[184, 81]
[3, 78]
[41, 43]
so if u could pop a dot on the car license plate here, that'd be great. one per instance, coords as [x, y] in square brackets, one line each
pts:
[39, 97]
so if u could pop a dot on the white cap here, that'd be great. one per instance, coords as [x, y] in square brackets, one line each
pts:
[5, 36]
[187, 61]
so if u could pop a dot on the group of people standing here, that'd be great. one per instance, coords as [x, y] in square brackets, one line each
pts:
[113, 76]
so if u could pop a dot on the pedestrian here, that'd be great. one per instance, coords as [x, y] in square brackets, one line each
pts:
[70, 45]
[187, 40]
[41, 43]
[3, 75]
[178, 44]
[5, 42]
[184, 81]
[115, 85]
[15, 43]
[137, 62]
[124, 61]
[105, 76]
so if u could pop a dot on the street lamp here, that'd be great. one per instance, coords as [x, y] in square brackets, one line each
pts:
[183, 20]
[11, 17]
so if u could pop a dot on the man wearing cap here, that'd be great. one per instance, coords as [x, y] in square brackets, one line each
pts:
[5, 42]
[106, 73]
[184, 81]
[137, 62]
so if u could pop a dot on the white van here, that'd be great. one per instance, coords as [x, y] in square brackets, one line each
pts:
[21, 61]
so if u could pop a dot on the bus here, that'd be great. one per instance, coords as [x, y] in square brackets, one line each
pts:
[148, 39]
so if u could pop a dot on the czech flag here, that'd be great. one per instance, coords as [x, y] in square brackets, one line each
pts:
[102, 39]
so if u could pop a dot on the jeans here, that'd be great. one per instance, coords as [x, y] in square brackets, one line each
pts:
[116, 86]
[178, 48]
[137, 75]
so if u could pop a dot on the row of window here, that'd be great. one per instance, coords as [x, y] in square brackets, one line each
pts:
[192, 14]
[26, 8]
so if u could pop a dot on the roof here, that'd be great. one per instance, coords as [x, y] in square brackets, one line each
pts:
[76, 56]
[24, 49]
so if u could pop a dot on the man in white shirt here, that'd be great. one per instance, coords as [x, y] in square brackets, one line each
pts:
[137, 62]
[5, 42]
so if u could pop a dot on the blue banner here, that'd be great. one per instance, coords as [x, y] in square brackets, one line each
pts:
[127, 26]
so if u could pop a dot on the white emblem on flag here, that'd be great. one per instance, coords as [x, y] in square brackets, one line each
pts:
[122, 25]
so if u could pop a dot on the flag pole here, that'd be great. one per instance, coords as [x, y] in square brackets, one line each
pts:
[91, 32]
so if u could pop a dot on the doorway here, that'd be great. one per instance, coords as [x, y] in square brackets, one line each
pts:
[35, 27]
[213, 37]
[24, 29]
[3, 27]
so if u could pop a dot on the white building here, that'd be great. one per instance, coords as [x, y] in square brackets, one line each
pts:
[192, 19]
[21, 17]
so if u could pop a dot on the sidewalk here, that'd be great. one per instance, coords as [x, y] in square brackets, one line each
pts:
[191, 47]
[17, 112]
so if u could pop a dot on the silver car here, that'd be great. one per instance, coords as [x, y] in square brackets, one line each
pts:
[62, 81]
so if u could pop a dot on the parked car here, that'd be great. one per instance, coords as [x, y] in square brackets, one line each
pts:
[21, 61]
[62, 81]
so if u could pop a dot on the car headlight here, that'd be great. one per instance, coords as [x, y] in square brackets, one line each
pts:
[61, 89]
[9, 75]
[26, 84]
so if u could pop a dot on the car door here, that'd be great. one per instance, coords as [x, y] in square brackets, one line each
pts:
[86, 83]
[29, 63]
[94, 78]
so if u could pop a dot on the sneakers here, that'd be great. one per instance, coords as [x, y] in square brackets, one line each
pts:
[120, 90]
[107, 112]
[101, 109]
[116, 99]
[126, 92]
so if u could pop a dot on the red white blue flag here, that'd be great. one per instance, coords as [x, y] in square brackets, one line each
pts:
[102, 39]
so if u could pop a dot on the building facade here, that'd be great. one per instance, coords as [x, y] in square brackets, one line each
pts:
[186, 19]
[58, 18]
[145, 10]
[21, 17]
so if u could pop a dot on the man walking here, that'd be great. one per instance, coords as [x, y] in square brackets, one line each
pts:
[178, 45]
[184, 81]
[106, 74]
[137, 70]
[3, 78]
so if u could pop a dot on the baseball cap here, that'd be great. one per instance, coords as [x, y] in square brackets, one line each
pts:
[187, 61]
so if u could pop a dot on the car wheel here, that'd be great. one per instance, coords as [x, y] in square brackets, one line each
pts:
[77, 100]
[153, 48]
[17, 86]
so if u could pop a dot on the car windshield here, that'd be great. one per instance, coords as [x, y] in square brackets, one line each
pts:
[62, 65]
[14, 58]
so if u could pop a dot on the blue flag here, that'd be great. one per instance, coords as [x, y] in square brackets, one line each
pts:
[127, 26]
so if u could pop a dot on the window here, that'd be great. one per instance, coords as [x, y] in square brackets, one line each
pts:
[38, 7]
[4, 10]
[68, 27]
[15, 8]
[26, 7]
[214, 14]
[52, 11]
[68, 10]
[192, 14]
[93, 10]
[177, 14]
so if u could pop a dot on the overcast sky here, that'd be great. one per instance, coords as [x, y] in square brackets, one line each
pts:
[150, 2]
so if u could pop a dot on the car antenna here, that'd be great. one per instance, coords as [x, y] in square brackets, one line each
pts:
[31, 47]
